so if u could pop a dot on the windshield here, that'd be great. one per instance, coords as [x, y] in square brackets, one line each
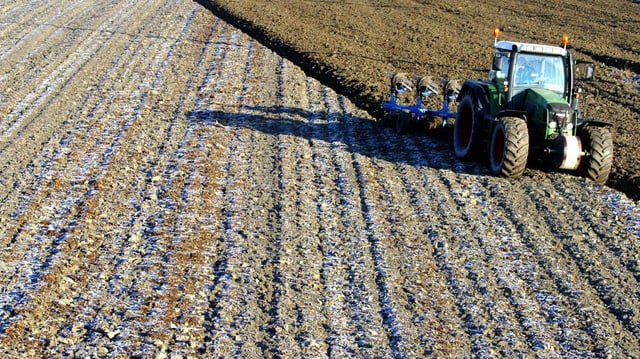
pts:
[540, 71]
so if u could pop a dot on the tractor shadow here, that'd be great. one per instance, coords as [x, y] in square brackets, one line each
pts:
[356, 134]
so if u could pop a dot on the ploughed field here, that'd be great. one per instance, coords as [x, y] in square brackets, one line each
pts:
[171, 188]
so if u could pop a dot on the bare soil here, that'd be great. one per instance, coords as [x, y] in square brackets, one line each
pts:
[171, 188]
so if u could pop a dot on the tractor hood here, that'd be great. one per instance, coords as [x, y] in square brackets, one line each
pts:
[541, 98]
[548, 111]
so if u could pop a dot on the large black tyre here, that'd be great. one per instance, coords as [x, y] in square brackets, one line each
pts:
[466, 128]
[597, 142]
[509, 147]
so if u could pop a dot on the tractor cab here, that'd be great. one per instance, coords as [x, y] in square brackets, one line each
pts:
[519, 66]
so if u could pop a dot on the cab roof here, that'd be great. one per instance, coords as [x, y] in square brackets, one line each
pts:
[531, 48]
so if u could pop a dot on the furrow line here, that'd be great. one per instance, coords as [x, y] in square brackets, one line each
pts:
[151, 242]
[218, 287]
[616, 288]
[94, 106]
[344, 307]
[49, 227]
[37, 33]
[186, 228]
[18, 10]
[201, 117]
[490, 323]
[353, 165]
[454, 255]
[279, 341]
[410, 219]
[154, 233]
[13, 30]
[621, 206]
[440, 325]
[244, 276]
[409, 266]
[623, 244]
[80, 174]
[22, 113]
[297, 318]
[12, 10]
[31, 65]
[70, 204]
[465, 259]
[372, 303]
[558, 295]
[511, 263]
[94, 327]
[49, 110]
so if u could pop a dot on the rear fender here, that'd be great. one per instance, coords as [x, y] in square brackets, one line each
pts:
[487, 103]
[480, 94]
[512, 113]
[595, 123]
[488, 98]
[509, 113]
[478, 91]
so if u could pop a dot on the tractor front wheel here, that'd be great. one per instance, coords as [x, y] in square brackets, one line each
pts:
[509, 147]
[466, 128]
[598, 144]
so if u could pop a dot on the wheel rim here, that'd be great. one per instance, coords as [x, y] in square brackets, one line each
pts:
[498, 147]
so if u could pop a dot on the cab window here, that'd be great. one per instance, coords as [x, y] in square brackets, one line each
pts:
[539, 71]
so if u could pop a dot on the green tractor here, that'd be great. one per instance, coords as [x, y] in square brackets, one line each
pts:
[528, 110]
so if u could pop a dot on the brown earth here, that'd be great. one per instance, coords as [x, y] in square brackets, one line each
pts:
[171, 188]
[352, 45]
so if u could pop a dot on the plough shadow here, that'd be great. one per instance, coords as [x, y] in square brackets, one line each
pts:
[358, 135]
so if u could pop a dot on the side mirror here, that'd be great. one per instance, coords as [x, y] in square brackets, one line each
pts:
[589, 71]
[497, 63]
[585, 70]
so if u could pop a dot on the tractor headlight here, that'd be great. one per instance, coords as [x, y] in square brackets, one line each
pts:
[553, 124]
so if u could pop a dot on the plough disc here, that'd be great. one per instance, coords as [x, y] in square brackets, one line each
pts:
[403, 112]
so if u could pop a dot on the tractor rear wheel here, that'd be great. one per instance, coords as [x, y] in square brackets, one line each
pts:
[509, 147]
[466, 128]
[598, 143]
